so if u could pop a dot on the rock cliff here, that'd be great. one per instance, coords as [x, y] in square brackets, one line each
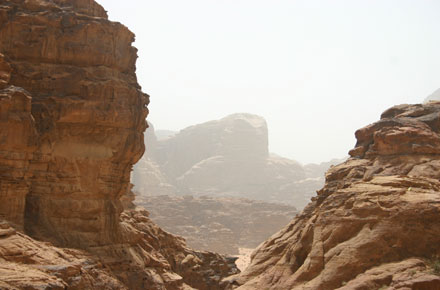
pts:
[375, 224]
[72, 117]
[73, 76]
[226, 157]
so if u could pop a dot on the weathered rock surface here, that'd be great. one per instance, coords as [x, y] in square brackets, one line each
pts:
[83, 112]
[72, 117]
[226, 157]
[29, 264]
[219, 224]
[376, 221]
[148, 258]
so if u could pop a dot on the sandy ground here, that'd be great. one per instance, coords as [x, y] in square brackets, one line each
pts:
[244, 258]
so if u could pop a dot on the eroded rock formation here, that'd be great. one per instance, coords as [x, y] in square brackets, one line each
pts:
[72, 117]
[86, 114]
[29, 264]
[375, 224]
[226, 157]
[148, 258]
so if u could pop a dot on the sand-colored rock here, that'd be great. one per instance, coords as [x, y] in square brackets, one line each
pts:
[148, 258]
[376, 221]
[29, 264]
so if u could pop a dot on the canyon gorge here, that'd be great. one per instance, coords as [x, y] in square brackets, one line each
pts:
[217, 185]
[72, 123]
[374, 224]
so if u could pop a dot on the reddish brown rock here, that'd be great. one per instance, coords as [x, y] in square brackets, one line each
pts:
[72, 117]
[5, 72]
[18, 141]
[376, 221]
[89, 115]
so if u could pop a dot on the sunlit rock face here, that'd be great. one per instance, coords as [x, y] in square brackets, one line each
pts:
[73, 117]
[376, 221]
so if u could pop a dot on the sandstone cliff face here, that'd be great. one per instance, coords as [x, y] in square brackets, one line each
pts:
[72, 117]
[376, 221]
[84, 113]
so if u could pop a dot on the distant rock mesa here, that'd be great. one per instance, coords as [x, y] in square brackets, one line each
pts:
[375, 224]
[225, 157]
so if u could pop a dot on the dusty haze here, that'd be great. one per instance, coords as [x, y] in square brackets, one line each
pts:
[305, 66]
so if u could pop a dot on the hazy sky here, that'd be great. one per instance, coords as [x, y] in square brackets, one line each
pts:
[315, 70]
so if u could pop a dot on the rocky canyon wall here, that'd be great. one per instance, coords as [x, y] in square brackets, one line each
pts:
[375, 224]
[81, 117]
[72, 117]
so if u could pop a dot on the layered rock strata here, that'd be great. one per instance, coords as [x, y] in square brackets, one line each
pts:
[86, 114]
[375, 224]
[72, 117]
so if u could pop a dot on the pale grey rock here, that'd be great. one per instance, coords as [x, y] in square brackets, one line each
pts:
[435, 96]
[226, 157]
